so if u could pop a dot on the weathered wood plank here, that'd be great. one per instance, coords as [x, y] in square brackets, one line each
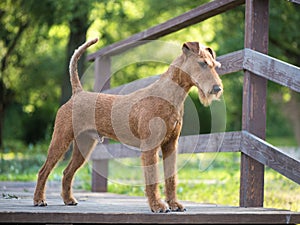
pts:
[102, 82]
[191, 17]
[99, 175]
[295, 1]
[102, 73]
[271, 156]
[218, 217]
[273, 69]
[96, 208]
[215, 142]
[256, 62]
[254, 102]
[231, 62]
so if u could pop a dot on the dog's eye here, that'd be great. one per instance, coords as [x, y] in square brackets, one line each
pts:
[203, 64]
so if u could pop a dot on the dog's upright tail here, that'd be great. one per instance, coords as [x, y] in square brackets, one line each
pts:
[75, 82]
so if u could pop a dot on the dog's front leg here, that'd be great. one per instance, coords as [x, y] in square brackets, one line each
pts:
[169, 162]
[150, 167]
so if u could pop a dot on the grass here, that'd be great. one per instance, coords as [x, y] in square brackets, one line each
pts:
[209, 178]
[204, 178]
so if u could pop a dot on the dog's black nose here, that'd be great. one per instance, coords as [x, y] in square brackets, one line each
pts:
[216, 89]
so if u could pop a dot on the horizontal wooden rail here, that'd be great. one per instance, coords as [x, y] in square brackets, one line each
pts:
[270, 156]
[238, 141]
[295, 1]
[273, 69]
[214, 142]
[191, 17]
[261, 64]
[231, 62]
[217, 142]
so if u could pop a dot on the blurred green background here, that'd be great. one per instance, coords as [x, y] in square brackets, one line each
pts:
[37, 40]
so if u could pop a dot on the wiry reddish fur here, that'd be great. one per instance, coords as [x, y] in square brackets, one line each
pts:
[150, 118]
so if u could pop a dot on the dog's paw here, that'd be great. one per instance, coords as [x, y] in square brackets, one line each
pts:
[175, 206]
[40, 203]
[159, 207]
[71, 201]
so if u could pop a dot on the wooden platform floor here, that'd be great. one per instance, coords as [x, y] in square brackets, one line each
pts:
[16, 207]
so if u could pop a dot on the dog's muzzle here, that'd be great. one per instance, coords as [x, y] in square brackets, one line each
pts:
[216, 89]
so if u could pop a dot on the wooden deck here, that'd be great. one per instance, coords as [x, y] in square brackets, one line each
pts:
[16, 207]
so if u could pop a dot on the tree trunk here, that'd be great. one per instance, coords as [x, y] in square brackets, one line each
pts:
[78, 29]
[6, 95]
[1, 111]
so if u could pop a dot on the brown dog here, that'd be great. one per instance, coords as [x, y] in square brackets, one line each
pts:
[150, 118]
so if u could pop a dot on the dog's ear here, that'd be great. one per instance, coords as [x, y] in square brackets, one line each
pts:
[212, 52]
[190, 47]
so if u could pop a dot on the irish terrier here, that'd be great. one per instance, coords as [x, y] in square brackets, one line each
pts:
[149, 118]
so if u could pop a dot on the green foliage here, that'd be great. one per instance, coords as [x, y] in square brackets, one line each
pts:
[204, 178]
[21, 162]
[208, 178]
[37, 92]
[284, 34]
[230, 35]
[233, 95]
[36, 65]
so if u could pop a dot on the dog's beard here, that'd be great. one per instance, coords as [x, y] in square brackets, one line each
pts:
[206, 99]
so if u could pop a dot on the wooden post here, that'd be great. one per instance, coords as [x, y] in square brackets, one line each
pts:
[254, 103]
[102, 82]
[102, 73]
[99, 175]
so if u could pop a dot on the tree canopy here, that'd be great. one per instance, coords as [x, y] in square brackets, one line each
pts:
[37, 40]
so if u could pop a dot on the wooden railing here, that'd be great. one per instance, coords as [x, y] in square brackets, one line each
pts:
[258, 68]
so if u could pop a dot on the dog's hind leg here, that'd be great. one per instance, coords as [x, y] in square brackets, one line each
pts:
[81, 149]
[61, 139]
[58, 147]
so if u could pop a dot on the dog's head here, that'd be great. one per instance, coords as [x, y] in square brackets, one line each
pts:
[200, 63]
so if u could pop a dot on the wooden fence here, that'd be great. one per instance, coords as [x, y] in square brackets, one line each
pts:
[258, 68]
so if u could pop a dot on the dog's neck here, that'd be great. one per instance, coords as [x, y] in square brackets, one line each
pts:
[177, 83]
[180, 77]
